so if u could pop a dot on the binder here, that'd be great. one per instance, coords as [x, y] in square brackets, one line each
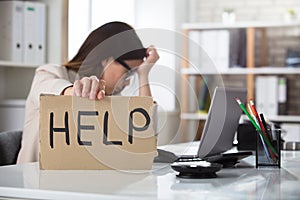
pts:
[272, 92]
[40, 32]
[216, 45]
[29, 32]
[282, 95]
[209, 49]
[282, 90]
[266, 95]
[34, 32]
[11, 30]
[195, 49]
[203, 97]
[259, 93]
[222, 50]
[238, 48]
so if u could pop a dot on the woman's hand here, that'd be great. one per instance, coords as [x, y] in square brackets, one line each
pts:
[88, 87]
[151, 58]
[144, 69]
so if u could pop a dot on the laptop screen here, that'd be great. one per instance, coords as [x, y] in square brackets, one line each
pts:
[222, 122]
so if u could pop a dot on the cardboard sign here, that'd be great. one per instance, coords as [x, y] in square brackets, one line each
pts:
[114, 133]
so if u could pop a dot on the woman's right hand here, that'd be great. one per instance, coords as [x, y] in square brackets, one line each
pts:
[87, 87]
[151, 58]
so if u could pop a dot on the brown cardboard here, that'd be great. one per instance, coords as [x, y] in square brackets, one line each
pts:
[87, 122]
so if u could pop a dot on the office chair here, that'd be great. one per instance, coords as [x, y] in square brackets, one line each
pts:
[10, 144]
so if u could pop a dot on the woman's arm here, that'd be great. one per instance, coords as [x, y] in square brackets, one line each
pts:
[53, 79]
[48, 79]
[144, 70]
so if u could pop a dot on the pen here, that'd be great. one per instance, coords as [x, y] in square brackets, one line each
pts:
[255, 125]
[266, 149]
[254, 111]
[253, 108]
[252, 114]
[247, 113]
[268, 128]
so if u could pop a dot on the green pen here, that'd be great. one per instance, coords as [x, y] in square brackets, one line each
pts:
[255, 125]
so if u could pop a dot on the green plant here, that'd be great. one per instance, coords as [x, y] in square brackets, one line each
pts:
[228, 10]
[291, 11]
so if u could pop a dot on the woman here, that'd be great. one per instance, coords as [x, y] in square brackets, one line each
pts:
[106, 59]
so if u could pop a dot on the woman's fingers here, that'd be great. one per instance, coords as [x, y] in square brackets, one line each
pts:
[101, 93]
[86, 86]
[77, 88]
[152, 55]
[94, 87]
[146, 66]
[89, 87]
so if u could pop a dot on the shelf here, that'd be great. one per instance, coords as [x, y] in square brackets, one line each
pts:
[251, 69]
[282, 118]
[15, 64]
[254, 24]
[278, 118]
[285, 118]
[245, 71]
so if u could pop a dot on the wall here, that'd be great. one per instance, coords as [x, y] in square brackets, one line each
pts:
[157, 26]
[158, 23]
[246, 10]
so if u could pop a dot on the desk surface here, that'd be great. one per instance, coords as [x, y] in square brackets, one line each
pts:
[242, 182]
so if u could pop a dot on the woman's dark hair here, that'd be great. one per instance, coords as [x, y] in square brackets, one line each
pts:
[115, 39]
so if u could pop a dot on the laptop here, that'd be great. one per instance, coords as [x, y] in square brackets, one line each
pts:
[219, 129]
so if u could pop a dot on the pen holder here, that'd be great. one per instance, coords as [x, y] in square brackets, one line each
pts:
[268, 149]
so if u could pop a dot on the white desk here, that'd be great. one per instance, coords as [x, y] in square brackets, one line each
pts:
[241, 182]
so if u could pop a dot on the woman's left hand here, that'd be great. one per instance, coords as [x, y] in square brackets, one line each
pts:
[151, 58]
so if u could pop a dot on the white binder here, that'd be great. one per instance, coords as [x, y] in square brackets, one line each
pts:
[272, 92]
[194, 51]
[282, 90]
[11, 31]
[29, 31]
[216, 45]
[34, 32]
[266, 95]
[40, 32]
[222, 50]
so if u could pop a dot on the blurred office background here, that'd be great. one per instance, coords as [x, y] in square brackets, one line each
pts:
[68, 22]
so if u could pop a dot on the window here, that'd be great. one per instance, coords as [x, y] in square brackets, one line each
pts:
[84, 16]
[111, 10]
